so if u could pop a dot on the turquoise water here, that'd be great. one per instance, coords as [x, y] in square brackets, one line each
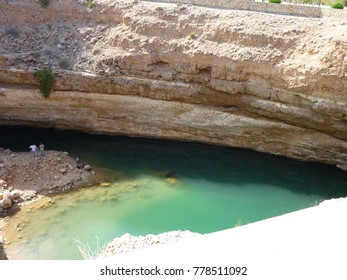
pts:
[211, 188]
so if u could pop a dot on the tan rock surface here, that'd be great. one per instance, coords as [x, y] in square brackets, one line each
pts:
[267, 82]
[31, 176]
[25, 179]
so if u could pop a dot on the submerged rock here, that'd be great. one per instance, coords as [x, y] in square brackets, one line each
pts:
[171, 180]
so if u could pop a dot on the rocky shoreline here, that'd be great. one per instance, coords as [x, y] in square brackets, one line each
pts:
[25, 179]
[128, 243]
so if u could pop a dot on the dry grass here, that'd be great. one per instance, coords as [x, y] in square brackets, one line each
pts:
[86, 251]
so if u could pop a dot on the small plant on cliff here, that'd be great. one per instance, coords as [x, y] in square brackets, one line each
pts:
[275, 1]
[44, 3]
[192, 35]
[337, 5]
[45, 79]
[91, 5]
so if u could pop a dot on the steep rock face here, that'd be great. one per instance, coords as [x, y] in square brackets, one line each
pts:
[267, 82]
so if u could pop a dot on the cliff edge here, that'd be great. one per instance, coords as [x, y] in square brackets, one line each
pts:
[267, 82]
[309, 242]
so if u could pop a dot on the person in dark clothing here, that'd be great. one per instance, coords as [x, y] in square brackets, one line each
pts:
[79, 163]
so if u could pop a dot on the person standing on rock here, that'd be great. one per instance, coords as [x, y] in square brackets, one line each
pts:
[42, 150]
[79, 163]
[33, 148]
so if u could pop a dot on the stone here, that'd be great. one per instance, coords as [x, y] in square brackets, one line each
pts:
[5, 203]
[87, 167]
[6, 194]
[1, 209]
[343, 167]
[171, 180]
[15, 194]
[10, 196]
[63, 170]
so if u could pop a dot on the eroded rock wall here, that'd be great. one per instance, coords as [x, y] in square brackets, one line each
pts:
[271, 83]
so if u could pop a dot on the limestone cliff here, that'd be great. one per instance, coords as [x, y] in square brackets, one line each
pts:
[267, 82]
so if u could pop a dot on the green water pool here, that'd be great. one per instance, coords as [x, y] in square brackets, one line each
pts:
[165, 186]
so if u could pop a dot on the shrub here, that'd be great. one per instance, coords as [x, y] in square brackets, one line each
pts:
[337, 5]
[192, 35]
[91, 5]
[275, 1]
[44, 3]
[45, 79]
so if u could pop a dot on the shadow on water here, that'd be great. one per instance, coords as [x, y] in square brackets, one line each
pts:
[136, 156]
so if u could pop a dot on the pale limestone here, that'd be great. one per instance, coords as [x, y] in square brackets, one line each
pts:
[136, 70]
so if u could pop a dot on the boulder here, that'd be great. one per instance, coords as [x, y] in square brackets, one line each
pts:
[9, 195]
[87, 167]
[343, 167]
[63, 170]
[5, 203]
[15, 194]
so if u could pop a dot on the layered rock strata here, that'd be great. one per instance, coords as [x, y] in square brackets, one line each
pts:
[271, 83]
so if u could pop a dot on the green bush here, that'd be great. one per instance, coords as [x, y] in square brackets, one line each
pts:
[44, 3]
[192, 35]
[337, 5]
[275, 1]
[91, 5]
[45, 79]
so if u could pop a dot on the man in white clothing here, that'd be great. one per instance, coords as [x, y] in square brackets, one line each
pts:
[33, 148]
